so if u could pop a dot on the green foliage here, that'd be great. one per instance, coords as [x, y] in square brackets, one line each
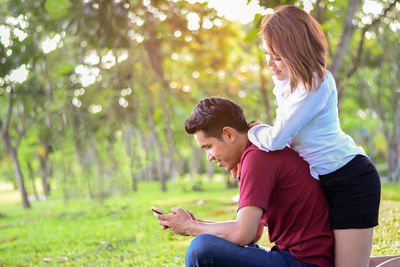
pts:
[274, 3]
[123, 122]
[57, 8]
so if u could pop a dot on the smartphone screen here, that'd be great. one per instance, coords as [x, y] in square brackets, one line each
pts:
[157, 210]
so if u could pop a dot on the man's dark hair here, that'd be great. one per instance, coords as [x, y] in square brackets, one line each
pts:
[212, 114]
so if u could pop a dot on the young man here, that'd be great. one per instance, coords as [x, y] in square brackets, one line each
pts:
[276, 191]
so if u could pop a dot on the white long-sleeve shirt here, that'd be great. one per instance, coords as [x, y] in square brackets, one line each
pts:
[310, 123]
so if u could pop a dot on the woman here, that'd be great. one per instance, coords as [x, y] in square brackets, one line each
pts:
[307, 119]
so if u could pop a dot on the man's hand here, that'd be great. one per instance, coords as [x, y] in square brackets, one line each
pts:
[242, 231]
[178, 222]
[192, 215]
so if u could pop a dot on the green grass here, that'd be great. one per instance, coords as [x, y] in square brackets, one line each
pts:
[122, 231]
[391, 192]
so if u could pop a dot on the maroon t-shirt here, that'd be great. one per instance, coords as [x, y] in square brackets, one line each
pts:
[295, 209]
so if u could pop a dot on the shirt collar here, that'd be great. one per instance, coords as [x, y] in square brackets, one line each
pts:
[282, 88]
[241, 159]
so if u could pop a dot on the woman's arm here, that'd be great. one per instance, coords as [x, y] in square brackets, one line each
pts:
[300, 108]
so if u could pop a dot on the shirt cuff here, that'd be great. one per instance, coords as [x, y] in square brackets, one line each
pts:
[257, 135]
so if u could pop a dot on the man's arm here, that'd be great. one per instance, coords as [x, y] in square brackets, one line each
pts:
[241, 231]
[259, 233]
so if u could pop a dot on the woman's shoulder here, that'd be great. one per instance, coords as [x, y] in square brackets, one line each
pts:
[329, 80]
[327, 87]
[328, 84]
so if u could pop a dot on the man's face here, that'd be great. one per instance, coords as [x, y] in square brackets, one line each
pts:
[224, 152]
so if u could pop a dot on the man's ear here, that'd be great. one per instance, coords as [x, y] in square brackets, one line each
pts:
[229, 134]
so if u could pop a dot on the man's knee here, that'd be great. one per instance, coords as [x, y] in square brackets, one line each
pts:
[200, 248]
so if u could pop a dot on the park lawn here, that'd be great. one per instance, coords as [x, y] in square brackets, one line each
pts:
[121, 231]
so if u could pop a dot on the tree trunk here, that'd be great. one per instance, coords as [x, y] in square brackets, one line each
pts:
[132, 172]
[195, 162]
[17, 171]
[153, 50]
[65, 170]
[319, 11]
[14, 153]
[32, 177]
[347, 33]
[264, 93]
[99, 163]
[111, 154]
[210, 170]
[129, 152]
[43, 159]
[86, 170]
[172, 151]
[393, 163]
[230, 182]
[146, 171]
[153, 138]
[377, 103]
[356, 59]
[395, 85]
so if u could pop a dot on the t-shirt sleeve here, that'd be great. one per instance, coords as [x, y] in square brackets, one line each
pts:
[300, 109]
[257, 179]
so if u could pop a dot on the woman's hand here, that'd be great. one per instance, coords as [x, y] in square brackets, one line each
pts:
[253, 123]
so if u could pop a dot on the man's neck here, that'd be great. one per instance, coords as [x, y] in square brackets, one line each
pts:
[242, 142]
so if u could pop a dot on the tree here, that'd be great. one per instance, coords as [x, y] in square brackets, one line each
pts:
[380, 89]
[13, 151]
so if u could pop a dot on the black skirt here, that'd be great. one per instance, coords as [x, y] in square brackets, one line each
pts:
[353, 194]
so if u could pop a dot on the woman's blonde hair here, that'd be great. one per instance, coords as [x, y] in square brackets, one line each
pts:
[297, 38]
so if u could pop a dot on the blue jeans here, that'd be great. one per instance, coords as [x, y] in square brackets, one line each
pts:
[210, 250]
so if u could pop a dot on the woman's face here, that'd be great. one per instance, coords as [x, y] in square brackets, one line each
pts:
[276, 65]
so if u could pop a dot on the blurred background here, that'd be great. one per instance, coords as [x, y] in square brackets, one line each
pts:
[94, 93]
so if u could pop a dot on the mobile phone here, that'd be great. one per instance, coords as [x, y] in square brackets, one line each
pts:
[157, 210]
